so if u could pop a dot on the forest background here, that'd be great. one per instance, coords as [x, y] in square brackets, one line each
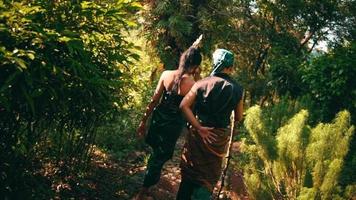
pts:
[76, 76]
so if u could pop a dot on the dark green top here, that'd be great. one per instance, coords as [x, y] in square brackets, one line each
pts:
[166, 123]
[216, 97]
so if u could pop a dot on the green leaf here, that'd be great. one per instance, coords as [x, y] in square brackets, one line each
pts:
[135, 56]
[64, 39]
[21, 63]
[31, 56]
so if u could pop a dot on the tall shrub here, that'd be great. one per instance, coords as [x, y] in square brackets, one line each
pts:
[305, 163]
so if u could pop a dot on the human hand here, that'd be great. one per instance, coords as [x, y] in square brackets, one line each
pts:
[141, 131]
[206, 134]
[197, 42]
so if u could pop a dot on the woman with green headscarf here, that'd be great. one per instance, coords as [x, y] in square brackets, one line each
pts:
[214, 97]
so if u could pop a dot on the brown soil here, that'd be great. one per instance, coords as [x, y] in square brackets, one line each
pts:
[110, 178]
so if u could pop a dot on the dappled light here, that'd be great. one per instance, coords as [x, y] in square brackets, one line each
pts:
[76, 78]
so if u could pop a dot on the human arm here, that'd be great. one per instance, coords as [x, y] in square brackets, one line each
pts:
[185, 106]
[153, 103]
[239, 112]
[197, 43]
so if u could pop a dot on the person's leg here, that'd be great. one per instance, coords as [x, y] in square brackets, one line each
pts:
[189, 190]
[154, 167]
[185, 190]
[153, 172]
[201, 193]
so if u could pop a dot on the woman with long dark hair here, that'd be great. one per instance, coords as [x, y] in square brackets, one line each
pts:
[167, 120]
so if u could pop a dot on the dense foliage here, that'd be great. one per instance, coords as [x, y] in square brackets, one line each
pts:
[328, 78]
[119, 137]
[296, 161]
[78, 73]
[62, 74]
[271, 38]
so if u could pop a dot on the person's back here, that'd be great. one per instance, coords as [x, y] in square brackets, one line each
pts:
[167, 117]
[215, 98]
[175, 88]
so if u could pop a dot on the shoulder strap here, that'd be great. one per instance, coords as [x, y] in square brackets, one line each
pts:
[176, 84]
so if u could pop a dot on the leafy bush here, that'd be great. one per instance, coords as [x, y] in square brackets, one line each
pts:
[329, 80]
[296, 161]
[119, 136]
[62, 75]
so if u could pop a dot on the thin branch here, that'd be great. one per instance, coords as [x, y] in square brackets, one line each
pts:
[314, 44]
[261, 57]
[228, 155]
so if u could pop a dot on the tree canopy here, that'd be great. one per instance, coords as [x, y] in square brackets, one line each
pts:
[76, 75]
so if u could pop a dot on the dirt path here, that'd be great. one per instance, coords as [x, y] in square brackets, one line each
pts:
[121, 179]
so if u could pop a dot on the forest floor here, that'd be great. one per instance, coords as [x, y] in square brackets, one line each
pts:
[111, 178]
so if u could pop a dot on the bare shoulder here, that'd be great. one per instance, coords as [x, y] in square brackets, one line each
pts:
[168, 73]
[186, 84]
[186, 79]
[165, 73]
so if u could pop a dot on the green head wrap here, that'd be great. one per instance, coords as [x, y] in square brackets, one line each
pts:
[222, 58]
